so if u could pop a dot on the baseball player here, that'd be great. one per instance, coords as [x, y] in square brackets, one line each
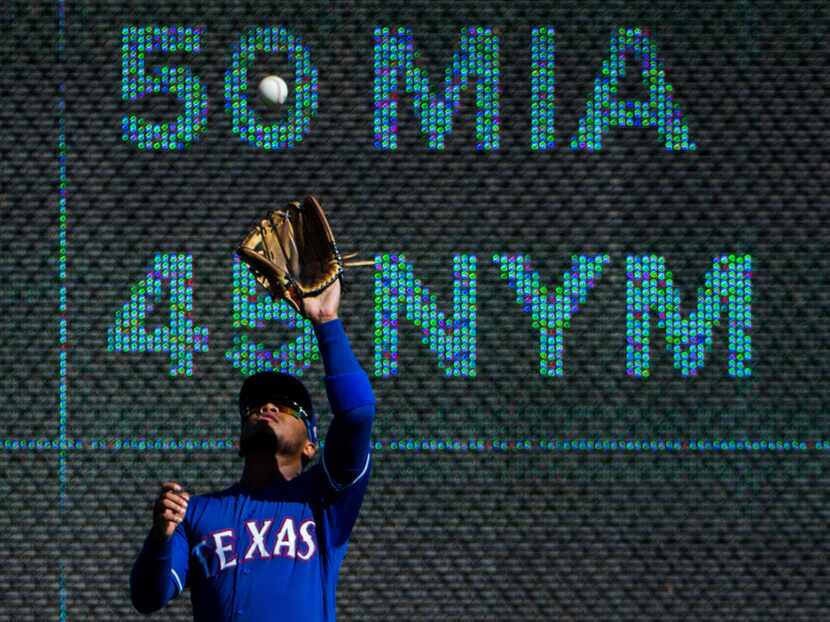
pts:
[270, 546]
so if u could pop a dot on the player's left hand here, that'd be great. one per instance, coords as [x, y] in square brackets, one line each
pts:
[324, 306]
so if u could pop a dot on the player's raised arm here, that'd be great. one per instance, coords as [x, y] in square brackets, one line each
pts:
[160, 570]
[292, 253]
[346, 452]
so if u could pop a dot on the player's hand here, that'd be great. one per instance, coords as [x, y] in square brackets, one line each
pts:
[169, 510]
[323, 307]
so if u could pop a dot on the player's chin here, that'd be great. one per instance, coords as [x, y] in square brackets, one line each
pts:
[260, 440]
[261, 428]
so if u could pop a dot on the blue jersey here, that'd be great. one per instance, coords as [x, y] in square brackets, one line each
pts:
[273, 553]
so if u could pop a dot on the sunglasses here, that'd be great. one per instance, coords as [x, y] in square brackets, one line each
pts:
[293, 408]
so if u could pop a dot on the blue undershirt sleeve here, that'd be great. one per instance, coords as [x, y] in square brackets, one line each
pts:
[159, 573]
[346, 451]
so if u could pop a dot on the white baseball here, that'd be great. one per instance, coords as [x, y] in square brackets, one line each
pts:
[273, 89]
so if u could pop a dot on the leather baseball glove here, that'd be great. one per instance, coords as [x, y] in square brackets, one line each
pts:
[292, 252]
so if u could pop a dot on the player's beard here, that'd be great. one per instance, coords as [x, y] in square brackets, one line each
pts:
[263, 439]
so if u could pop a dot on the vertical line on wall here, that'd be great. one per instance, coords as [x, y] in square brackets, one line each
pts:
[62, 316]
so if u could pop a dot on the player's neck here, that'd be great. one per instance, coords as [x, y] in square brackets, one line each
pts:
[262, 469]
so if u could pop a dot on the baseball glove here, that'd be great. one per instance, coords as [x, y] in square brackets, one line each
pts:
[292, 252]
